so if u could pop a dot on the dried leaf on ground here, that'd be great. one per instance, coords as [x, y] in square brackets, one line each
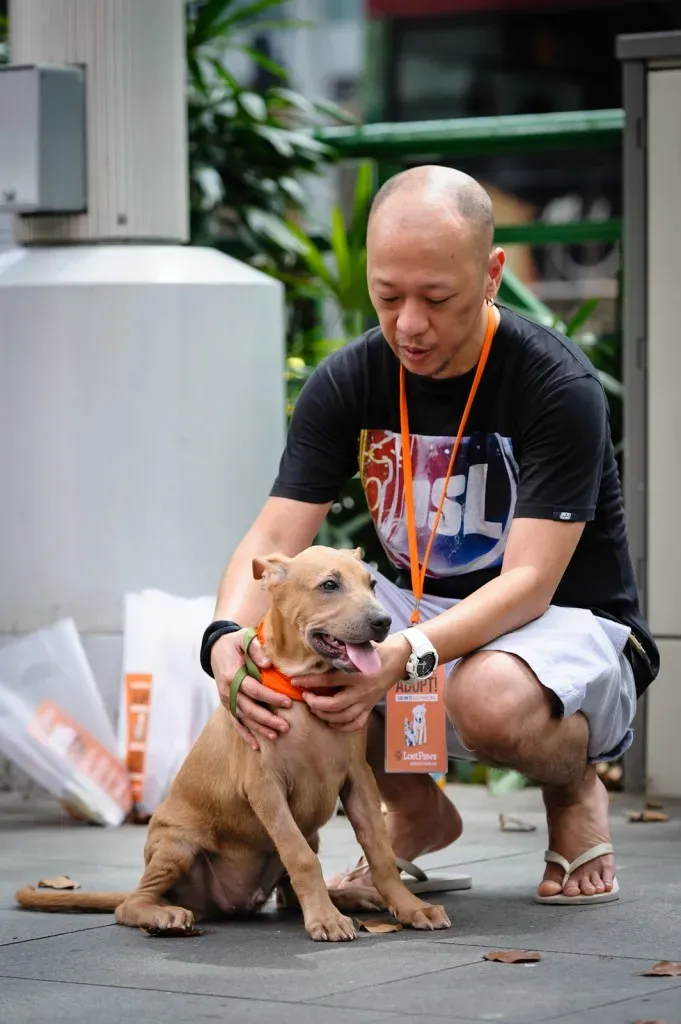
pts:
[664, 969]
[507, 823]
[647, 816]
[651, 1022]
[513, 956]
[379, 926]
[61, 882]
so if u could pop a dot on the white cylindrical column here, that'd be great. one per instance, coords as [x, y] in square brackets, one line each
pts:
[135, 65]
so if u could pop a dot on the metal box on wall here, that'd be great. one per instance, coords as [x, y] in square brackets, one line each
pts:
[42, 139]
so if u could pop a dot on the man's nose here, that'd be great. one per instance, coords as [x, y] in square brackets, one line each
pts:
[411, 321]
[380, 623]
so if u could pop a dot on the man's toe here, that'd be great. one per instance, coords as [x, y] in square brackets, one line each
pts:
[597, 881]
[587, 887]
[549, 888]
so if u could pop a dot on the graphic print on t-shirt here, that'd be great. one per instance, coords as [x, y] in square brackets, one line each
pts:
[477, 513]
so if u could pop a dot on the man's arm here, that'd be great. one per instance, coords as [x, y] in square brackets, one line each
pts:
[537, 554]
[564, 434]
[282, 525]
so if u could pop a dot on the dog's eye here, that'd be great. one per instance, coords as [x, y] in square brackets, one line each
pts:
[329, 585]
[372, 584]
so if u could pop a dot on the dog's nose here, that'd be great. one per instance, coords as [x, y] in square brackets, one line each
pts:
[380, 624]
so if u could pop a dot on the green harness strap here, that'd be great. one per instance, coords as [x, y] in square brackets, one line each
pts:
[249, 669]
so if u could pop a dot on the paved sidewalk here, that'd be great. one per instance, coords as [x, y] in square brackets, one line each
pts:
[83, 968]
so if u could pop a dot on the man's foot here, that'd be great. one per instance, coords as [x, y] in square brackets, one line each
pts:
[425, 821]
[577, 820]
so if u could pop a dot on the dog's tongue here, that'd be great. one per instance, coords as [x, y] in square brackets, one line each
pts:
[364, 657]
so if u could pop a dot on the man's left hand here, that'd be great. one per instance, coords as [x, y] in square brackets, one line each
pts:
[348, 709]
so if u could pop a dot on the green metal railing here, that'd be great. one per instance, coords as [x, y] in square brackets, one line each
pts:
[389, 144]
[479, 136]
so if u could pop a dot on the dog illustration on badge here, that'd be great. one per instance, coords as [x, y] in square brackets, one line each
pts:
[415, 731]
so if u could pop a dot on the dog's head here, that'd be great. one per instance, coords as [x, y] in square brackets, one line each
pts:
[419, 713]
[327, 597]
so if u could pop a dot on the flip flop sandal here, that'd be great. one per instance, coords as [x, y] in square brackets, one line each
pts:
[421, 882]
[579, 901]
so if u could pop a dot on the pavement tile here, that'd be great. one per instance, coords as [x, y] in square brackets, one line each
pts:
[268, 958]
[35, 1002]
[560, 984]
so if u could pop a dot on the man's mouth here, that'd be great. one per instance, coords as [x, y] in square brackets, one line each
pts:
[415, 353]
[347, 657]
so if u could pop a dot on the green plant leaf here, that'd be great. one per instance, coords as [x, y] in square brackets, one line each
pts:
[580, 317]
[294, 99]
[248, 13]
[226, 76]
[265, 62]
[341, 251]
[313, 256]
[265, 223]
[333, 110]
[202, 27]
[293, 189]
[305, 140]
[362, 202]
[253, 104]
[277, 137]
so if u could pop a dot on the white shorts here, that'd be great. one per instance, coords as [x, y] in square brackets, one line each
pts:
[575, 654]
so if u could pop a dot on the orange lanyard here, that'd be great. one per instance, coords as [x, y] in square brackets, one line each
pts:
[418, 575]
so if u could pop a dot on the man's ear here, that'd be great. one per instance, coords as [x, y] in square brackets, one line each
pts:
[271, 568]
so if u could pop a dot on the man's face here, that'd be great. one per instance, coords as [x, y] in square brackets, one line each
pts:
[428, 288]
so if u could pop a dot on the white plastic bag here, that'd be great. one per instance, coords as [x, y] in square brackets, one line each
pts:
[166, 697]
[54, 726]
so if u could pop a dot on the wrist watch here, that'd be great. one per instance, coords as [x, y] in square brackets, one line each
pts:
[423, 659]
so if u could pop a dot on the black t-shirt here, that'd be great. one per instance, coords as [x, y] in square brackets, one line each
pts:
[537, 445]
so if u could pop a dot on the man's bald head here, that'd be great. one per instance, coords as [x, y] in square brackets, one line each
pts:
[432, 268]
[442, 192]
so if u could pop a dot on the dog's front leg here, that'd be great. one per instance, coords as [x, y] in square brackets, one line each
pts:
[362, 804]
[168, 859]
[323, 922]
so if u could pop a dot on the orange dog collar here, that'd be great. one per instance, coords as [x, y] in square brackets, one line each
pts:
[276, 680]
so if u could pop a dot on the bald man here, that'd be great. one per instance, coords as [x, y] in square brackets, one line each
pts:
[530, 598]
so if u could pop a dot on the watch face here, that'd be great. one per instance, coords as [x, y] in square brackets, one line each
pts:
[426, 665]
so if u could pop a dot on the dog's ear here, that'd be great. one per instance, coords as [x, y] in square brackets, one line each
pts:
[353, 552]
[271, 569]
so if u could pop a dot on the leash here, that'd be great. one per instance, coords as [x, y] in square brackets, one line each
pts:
[270, 677]
[249, 669]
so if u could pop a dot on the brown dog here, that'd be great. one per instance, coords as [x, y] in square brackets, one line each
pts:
[238, 824]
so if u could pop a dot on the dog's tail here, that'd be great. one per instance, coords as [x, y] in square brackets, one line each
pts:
[63, 902]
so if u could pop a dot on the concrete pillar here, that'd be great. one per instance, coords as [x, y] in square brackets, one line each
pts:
[134, 55]
[142, 397]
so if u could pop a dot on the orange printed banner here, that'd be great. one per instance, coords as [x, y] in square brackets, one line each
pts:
[58, 731]
[416, 726]
[138, 705]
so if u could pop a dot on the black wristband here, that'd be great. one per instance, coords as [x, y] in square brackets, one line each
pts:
[212, 633]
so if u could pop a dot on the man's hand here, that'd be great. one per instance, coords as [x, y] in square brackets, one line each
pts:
[357, 694]
[226, 657]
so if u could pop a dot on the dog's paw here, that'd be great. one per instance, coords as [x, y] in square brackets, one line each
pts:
[356, 899]
[427, 917]
[167, 921]
[331, 928]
